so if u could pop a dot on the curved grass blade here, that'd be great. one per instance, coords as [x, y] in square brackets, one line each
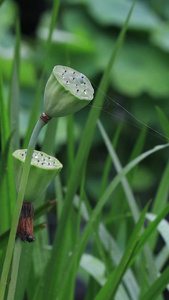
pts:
[131, 201]
[108, 163]
[160, 201]
[112, 249]
[88, 229]
[162, 228]
[149, 230]
[109, 289]
[157, 287]
[130, 197]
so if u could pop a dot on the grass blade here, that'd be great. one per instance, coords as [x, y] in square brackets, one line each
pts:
[163, 227]
[88, 229]
[160, 200]
[129, 194]
[15, 267]
[14, 94]
[162, 193]
[94, 266]
[113, 250]
[108, 163]
[7, 192]
[131, 201]
[164, 121]
[157, 287]
[149, 230]
[109, 289]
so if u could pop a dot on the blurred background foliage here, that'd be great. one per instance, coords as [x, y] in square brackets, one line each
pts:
[83, 38]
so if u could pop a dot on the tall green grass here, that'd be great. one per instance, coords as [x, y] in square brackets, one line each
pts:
[121, 264]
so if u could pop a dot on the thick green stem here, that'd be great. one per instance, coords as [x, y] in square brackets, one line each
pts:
[21, 193]
[15, 267]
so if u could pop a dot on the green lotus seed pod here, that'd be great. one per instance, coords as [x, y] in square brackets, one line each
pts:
[43, 169]
[66, 92]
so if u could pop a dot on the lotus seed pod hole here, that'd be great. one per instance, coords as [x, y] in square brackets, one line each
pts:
[81, 79]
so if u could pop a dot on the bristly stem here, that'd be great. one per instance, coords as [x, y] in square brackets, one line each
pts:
[21, 193]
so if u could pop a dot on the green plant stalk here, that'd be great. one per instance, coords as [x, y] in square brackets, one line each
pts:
[18, 206]
[15, 267]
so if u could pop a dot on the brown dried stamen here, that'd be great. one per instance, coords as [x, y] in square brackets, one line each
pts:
[25, 225]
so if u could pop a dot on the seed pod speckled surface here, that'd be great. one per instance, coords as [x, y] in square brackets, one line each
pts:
[43, 170]
[66, 92]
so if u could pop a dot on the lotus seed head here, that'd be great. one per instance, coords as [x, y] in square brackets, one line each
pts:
[43, 169]
[64, 92]
[39, 159]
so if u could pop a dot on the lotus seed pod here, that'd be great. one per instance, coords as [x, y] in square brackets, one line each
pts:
[66, 92]
[43, 170]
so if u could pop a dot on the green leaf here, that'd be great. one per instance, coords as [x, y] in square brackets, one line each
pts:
[114, 12]
[160, 37]
[134, 71]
